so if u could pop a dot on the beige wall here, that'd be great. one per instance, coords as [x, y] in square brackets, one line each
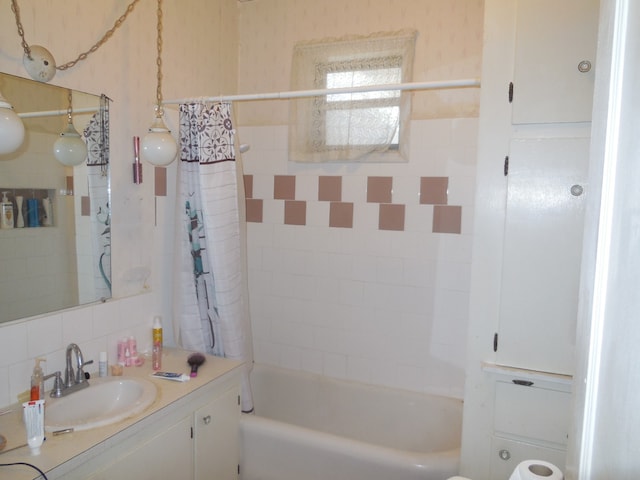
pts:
[449, 46]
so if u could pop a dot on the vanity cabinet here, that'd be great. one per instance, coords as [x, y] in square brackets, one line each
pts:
[217, 438]
[164, 455]
[200, 441]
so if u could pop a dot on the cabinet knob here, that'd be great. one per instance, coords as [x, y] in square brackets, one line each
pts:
[207, 419]
[584, 66]
[504, 454]
[576, 190]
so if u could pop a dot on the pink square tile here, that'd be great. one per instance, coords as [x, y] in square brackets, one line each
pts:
[434, 190]
[391, 217]
[341, 215]
[284, 187]
[160, 181]
[295, 212]
[253, 210]
[330, 188]
[379, 189]
[248, 186]
[85, 206]
[447, 219]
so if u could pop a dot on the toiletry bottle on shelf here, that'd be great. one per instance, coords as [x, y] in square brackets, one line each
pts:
[46, 205]
[157, 343]
[18, 213]
[7, 212]
[33, 216]
[37, 381]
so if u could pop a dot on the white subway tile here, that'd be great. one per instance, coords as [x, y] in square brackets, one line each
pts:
[13, 344]
[44, 335]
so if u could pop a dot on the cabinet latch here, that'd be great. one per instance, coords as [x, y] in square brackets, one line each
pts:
[510, 92]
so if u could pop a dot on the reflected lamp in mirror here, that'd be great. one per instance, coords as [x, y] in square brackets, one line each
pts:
[11, 128]
[69, 149]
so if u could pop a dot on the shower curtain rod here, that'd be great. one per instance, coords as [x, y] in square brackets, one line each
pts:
[438, 85]
[54, 113]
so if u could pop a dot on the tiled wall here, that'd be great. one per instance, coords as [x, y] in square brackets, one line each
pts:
[359, 270]
[431, 191]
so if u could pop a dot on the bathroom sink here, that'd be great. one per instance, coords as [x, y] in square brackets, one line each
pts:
[105, 401]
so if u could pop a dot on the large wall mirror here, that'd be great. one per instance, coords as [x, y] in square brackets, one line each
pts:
[58, 253]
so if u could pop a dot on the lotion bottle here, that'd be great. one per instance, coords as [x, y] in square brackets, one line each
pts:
[7, 212]
[157, 343]
[37, 381]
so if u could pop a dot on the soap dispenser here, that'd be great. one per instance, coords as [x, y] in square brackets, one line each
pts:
[37, 381]
[7, 212]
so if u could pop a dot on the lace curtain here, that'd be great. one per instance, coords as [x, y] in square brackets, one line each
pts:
[351, 126]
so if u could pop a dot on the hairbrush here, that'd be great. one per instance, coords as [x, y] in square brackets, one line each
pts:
[195, 360]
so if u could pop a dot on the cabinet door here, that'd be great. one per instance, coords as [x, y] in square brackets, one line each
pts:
[506, 455]
[551, 81]
[167, 455]
[217, 439]
[542, 253]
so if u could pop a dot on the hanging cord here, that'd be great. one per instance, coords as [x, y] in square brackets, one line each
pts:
[159, 109]
[27, 464]
[82, 56]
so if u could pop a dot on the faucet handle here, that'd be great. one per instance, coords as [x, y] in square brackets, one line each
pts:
[56, 391]
[81, 375]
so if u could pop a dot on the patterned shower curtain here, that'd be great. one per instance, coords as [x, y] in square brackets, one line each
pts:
[211, 304]
[96, 136]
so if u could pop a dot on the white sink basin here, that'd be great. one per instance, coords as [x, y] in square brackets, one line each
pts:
[105, 401]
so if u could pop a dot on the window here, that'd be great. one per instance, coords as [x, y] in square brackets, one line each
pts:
[350, 116]
[362, 126]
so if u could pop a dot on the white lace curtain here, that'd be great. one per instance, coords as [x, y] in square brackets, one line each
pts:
[351, 126]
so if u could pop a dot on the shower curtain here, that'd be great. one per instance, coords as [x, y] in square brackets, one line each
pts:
[211, 310]
[96, 136]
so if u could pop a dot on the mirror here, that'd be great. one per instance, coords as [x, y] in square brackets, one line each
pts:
[58, 255]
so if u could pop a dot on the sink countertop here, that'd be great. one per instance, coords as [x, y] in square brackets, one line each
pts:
[62, 453]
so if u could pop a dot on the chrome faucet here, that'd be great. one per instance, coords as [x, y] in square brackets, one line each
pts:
[74, 380]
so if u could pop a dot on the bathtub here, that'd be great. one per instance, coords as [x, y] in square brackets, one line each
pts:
[310, 427]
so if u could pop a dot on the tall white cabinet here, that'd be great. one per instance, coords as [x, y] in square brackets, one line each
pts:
[537, 89]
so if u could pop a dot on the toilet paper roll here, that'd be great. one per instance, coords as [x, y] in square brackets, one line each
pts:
[536, 470]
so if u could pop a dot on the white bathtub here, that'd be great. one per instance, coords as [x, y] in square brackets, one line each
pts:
[310, 427]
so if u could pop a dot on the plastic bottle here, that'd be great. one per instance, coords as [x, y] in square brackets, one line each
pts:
[37, 381]
[157, 343]
[103, 367]
[6, 208]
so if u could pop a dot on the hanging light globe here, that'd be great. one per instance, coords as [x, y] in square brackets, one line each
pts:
[11, 128]
[159, 148]
[69, 149]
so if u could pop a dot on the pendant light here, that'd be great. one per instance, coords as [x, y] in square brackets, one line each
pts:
[159, 148]
[69, 149]
[11, 128]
